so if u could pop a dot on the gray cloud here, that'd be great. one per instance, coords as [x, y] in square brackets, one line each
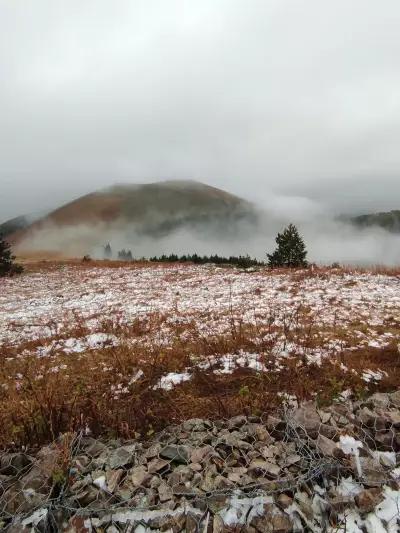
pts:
[269, 98]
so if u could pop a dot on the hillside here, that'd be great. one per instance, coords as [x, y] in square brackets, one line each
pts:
[15, 224]
[152, 210]
[388, 220]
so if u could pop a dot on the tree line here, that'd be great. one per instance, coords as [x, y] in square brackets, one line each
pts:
[290, 252]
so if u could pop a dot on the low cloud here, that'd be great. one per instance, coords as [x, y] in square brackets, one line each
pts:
[328, 240]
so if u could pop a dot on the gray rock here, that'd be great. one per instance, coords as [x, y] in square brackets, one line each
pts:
[198, 455]
[304, 501]
[196, 424]
[268, 452]
[178, 454]
[380, 399]
[218, 524]
[394, 398]
[272, 521]
[18, 501]
[393, 417]
[339, 502]
[196, 467]
[326, 446]
[168, 523]
[80, 464]
[284, 501]
[325, 416]
[180, 474]
[386, 440]
[113, 479]
[165, 492]
[12, 464]
[207, 484]
[192, 522]
[152, 451]
[307, 418]
[368, 499]
[87, 496]
[291, 459]
[42, 473]
[257, 432]
[260, 467]
[125, 490]
[328, 431]
[233, 440]
[217, 502]
[123, 456]
[139, 476]
[373, 473]
[93, 447]
[222, 483]
[156, 465]
[237, 422]
[275, 426]
[371, 419]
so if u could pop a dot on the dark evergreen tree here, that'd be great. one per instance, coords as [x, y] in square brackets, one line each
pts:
[107, 251]
[7, 265]
[291, 250]
[125, 255]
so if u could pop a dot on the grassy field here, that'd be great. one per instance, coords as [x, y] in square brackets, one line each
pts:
[126, 348]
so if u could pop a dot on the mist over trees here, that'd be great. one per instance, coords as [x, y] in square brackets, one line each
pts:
[125, 255]
[107, 251]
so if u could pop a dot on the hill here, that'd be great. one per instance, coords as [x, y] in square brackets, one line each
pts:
[153, 210]
[389, 220]
[11, 226]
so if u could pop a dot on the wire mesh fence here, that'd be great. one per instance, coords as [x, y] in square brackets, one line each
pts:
[304, 469]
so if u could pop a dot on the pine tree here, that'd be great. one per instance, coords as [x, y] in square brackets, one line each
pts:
[107, 251]
[291, 250]
[125, 255]
[7, 265]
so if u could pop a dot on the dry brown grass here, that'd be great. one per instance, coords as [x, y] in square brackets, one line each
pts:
[42, 397]
[38, 403]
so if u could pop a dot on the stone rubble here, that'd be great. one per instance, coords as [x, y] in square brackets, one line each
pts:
[295, 471]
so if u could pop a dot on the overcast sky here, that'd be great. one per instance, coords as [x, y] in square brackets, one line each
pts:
[261, 97]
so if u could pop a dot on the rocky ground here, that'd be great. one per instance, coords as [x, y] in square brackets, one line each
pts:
[301, 469]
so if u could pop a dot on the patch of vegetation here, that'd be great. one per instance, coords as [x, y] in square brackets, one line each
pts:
[7, 265]
[242, 261]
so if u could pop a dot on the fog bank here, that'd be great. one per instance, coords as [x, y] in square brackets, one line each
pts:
[327, 240]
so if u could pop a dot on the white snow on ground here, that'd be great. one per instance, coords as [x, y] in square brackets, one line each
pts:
[173, 378]
[43, 304]
[371, 375]
[192, 302]
[225, 364]
[94, 341]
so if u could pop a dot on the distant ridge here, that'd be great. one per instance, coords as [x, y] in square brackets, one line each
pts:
[11, 226]
[389, 220]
